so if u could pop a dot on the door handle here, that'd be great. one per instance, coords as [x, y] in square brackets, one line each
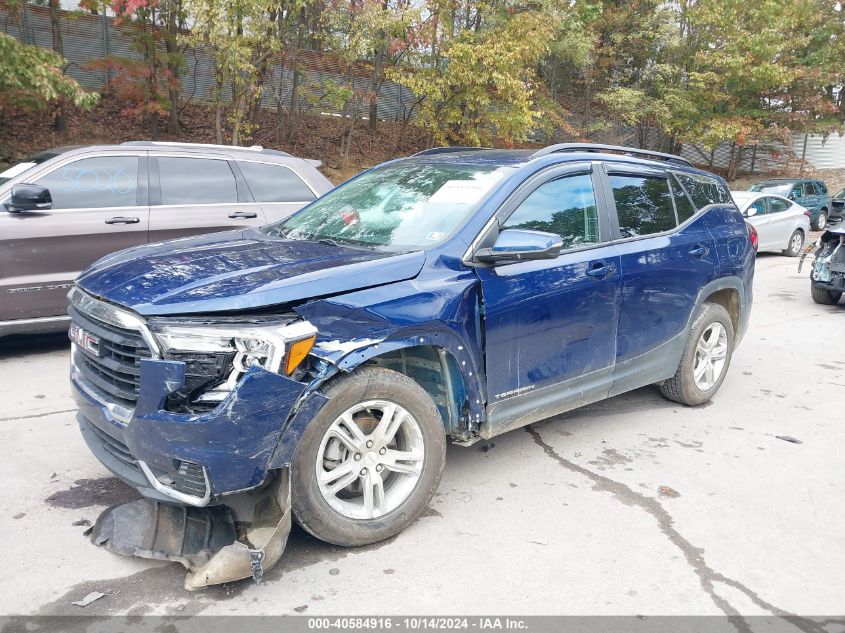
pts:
[122, 220]
[600, 270]
[243, 214]
[699, 251]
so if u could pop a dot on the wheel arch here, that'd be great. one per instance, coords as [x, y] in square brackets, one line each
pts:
[729, 298]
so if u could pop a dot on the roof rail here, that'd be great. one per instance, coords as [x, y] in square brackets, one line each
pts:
[597, 147]
[251, 148]
[446, 150]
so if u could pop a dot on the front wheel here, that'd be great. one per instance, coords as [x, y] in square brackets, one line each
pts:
[824, 296]
[796, 243]
[706, 358]
[369, 462]
[821, 221]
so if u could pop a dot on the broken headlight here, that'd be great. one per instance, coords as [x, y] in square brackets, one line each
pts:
[218, 354]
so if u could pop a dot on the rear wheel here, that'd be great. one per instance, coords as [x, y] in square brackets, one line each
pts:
[796, 243]
[706, 358]
[369, 462]
[821, 221]
[824, 296]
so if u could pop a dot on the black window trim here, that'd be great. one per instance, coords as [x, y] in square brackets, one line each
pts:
[608, 168]
[488, 234]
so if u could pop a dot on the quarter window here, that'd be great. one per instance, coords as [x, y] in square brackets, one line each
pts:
[704, 190]
[274, 183]
[196, 181]
[566, 207]
[682, 202]
[91, 183]
[643, 204]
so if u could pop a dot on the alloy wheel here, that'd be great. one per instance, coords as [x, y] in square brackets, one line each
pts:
[710, 356]
[370, 459]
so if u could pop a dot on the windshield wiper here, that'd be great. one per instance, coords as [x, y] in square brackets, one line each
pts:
[327, 240]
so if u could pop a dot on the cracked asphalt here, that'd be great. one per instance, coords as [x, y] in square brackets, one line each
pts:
[634, 505]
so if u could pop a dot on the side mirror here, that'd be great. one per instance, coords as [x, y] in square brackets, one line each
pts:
[26, 197]
[793, 195]
[521, 245]
[749, 212]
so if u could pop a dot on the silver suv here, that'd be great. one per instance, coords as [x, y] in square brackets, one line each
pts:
[65, 208]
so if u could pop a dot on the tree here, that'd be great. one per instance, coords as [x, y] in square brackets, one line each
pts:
[241, 36]
[149, 81]
[478, 80]
[32, 77]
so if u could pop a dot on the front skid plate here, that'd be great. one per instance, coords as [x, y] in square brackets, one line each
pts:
[204, 540]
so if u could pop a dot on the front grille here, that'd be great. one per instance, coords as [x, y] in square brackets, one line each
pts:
[115, 368]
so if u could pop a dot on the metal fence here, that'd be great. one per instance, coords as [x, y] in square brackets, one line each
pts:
[87, 37]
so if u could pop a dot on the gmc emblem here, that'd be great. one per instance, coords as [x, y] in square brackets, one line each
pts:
[83, 339]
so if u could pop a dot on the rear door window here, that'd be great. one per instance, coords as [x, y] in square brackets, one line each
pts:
[274, 183]
[810, 189]
[196, 181]
[776, 205]
[94, 183]
[564, 206]
[643, 205]
[759, 206]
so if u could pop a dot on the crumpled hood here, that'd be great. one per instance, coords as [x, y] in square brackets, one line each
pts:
[238, 270]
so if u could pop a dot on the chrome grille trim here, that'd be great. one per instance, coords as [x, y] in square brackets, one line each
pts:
[114, 316]
[110, 376]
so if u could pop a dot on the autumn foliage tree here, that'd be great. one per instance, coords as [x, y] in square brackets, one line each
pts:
[32, 78]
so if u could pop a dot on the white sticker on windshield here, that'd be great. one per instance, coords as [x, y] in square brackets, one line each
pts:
[435, 236]
[461, 191]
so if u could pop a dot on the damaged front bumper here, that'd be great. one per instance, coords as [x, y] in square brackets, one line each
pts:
[227, 459]
[828, 271]
[194, 459]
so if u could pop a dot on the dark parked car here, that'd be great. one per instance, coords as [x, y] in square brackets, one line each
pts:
[64, 208]
[827, 276]
[453, 294]
[809, 193]
[837, 202]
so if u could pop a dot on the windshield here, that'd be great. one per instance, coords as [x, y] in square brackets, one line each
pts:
[19, 168]
[840, 195]
[398, 206]
[777, 188]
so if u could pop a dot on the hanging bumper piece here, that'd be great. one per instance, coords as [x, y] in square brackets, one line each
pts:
[207, 541]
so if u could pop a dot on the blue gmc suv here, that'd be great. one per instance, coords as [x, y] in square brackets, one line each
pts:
[458, 293]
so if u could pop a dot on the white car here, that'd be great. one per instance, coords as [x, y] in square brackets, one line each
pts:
[781, 224]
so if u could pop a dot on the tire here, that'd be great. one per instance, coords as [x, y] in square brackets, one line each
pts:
[683, 386]
[821, 221]
[824, 296]
[795, 244]
[344, 518]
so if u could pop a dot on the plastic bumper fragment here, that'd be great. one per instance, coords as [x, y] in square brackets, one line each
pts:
[205, 540]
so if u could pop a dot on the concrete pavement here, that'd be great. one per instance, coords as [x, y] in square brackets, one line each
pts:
[635, 505]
